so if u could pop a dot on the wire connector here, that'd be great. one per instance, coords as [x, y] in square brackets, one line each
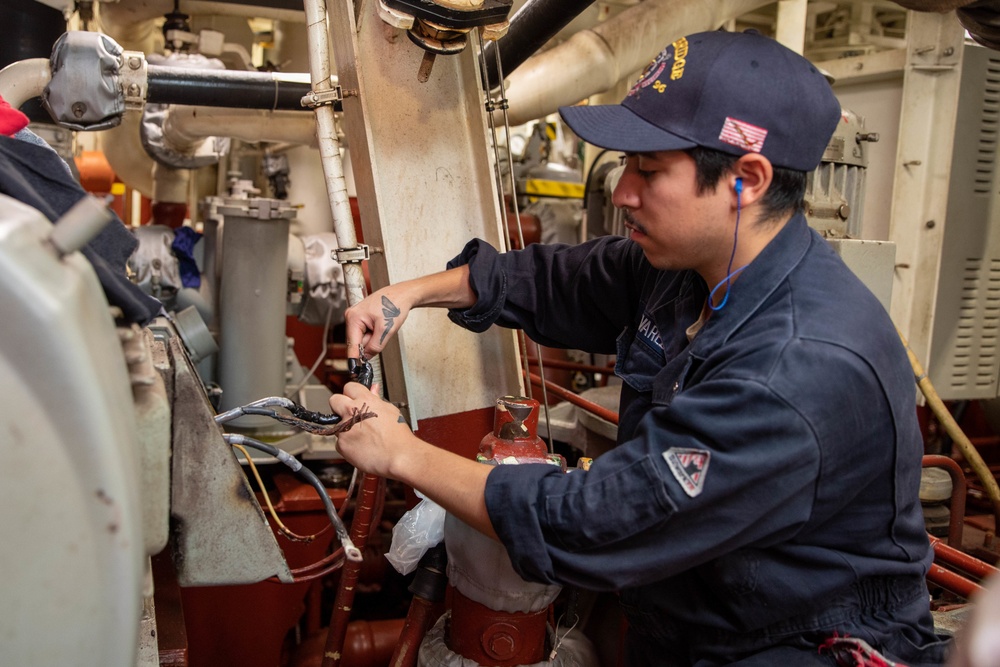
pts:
[352, 255]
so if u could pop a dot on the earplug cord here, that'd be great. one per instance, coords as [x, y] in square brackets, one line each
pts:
[729, 272]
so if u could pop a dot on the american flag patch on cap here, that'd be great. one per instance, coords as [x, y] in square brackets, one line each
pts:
[743, 135]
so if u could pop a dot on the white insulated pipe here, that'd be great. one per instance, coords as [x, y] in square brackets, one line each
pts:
[171, 185]
[790, 28]
[24, 80]
[186, 126]
[594, 60]
[317, 29]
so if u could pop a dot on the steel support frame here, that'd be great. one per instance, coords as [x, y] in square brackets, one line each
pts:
[931, 79]
[423, 174]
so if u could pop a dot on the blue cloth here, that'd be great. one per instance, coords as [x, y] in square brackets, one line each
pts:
[33, 173]
[183, 245]
[763, 472]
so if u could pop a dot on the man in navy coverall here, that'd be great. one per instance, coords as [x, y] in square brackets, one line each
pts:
[761, 504]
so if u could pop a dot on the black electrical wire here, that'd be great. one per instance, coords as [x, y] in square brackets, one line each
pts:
[331, 428]
[350, 551]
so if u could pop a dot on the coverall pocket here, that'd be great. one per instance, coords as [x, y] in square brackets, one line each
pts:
[637, 363]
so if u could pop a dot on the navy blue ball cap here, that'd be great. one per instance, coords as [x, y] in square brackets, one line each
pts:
[733, 92]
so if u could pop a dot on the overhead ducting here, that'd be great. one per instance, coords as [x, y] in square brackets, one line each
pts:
[594, 60]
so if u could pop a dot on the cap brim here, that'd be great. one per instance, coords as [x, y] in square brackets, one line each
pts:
[617, 128]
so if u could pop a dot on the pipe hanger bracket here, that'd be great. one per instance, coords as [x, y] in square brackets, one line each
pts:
[319, 98]
[352, 255]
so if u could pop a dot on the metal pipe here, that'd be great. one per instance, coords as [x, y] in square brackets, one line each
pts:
[958, 436]
[790, 27]
[531, 26]
[573, 366]
[228, 88]
[594, 60]
[372, 495]
[963, 561]
[956, 505]
[953, 581]
[576, 399]
[24, 80]
[188, 125]
[421, 616]
[317, 34]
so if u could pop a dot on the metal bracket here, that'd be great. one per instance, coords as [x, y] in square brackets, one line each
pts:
[352, 255]
[319, 98]
[133, 71]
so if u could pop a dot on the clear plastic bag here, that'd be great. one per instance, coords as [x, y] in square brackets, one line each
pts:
[420, 529]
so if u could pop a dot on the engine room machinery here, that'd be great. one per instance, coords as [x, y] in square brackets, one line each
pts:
[172, 493]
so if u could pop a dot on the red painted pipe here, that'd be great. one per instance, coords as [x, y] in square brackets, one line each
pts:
[963, 561]
[421, 616]
[576, 399]
[572, 366]
[370, 499]
[368, 644]
[956, 506]
[952, 581]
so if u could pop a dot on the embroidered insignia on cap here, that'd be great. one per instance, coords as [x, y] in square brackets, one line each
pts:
[743, 135]
[689, 467]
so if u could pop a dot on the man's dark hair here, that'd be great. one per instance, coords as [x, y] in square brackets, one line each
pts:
[788, 187]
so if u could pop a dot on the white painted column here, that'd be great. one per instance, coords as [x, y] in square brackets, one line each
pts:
[931, 81]
[790, 29]
[425, 187]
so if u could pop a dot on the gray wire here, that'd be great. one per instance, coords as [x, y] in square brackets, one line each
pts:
[351, 552]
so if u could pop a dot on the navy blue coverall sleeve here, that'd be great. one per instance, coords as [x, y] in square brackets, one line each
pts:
[563, 279]
[628, 521]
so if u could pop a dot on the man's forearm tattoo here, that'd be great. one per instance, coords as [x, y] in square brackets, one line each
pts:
[391, 312]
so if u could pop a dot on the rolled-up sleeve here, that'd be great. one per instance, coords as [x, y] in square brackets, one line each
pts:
[544, 288]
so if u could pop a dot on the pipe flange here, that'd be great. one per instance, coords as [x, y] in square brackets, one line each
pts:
[436, 39]
[203, 153]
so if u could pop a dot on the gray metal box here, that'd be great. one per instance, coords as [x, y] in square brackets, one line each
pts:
[964, 363]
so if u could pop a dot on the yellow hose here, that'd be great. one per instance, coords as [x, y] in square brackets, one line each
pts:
[968, 450]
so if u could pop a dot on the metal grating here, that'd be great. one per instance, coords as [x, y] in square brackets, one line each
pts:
[977, 332]
[988, 129]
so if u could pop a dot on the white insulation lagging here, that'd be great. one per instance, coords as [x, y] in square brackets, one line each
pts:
[320, 70]
[24, 80]
[594, 60]
[186, 126]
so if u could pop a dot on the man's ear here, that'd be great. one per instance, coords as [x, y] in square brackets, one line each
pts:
[750, 178]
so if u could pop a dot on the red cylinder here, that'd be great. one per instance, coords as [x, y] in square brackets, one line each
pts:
[515, 433]
[496, 638]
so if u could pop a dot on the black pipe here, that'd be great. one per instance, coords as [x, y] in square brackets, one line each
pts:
[225, 88]
[535, 23]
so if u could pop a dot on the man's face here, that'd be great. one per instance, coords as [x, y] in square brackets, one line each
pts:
[676, 227]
